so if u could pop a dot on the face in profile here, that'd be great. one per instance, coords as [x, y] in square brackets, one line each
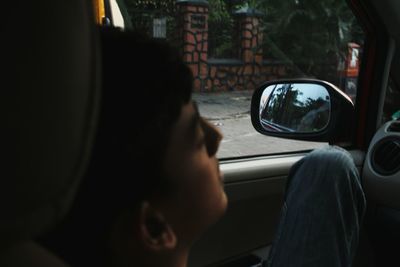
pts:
[199, 199]
[165, 226]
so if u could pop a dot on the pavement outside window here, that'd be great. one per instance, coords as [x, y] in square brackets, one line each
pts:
[230, 112]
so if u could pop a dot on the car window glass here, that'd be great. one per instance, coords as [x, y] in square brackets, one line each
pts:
[233, 46]
[391, 107]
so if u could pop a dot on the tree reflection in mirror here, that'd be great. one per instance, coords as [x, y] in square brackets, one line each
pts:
[295, 107]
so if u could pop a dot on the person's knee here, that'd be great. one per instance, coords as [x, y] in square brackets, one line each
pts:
[333, 160]
[328, 168]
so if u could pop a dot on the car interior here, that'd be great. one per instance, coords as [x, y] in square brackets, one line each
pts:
[49, 118]
[52, 68]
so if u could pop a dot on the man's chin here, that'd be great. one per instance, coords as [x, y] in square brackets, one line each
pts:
[223, 206]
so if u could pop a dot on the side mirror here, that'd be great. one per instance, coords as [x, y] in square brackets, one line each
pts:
[303, 109]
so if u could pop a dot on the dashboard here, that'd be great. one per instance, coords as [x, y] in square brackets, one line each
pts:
[381, 172]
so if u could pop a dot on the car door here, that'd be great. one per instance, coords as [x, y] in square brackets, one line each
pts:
[255, 181]
[233, 47]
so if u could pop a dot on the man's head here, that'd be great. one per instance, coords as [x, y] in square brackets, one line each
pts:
[154, 183]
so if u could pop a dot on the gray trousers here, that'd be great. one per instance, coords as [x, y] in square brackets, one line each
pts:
[322, 213]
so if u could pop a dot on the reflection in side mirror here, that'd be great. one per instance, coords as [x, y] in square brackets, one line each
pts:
[295, 108]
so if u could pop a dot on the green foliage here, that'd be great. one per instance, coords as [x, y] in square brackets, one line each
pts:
[168, 6]
[218, 11]
[313, 34]
[220, 25]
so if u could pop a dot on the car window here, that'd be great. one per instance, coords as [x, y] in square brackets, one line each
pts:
[234, 46]
[391, 107]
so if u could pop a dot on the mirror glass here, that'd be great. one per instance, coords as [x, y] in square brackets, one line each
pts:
[295, 107]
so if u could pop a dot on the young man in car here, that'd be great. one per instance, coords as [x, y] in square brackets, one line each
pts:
[154, 184]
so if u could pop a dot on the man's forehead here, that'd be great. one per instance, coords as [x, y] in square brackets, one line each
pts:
[191, 115]
[189, 111]
[184, 130]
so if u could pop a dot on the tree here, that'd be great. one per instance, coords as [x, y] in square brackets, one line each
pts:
[220, 29]
[312, 34]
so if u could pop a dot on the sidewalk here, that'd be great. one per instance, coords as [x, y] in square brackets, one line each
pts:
[223, 105]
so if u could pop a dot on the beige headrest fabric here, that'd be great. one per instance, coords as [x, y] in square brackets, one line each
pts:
[48, 108]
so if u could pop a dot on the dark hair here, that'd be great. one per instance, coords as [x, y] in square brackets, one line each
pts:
[145, 84]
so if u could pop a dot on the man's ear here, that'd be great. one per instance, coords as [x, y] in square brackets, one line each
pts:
[155, 231]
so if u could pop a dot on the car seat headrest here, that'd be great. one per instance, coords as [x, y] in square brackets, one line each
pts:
[48, 106]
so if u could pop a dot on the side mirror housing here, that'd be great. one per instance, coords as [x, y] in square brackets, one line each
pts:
[303, 109]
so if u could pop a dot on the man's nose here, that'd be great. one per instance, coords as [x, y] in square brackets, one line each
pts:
[213, 138]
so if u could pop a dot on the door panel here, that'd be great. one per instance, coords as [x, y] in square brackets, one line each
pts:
[255, 191]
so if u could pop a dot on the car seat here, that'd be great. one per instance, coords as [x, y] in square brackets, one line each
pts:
[48, 108]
